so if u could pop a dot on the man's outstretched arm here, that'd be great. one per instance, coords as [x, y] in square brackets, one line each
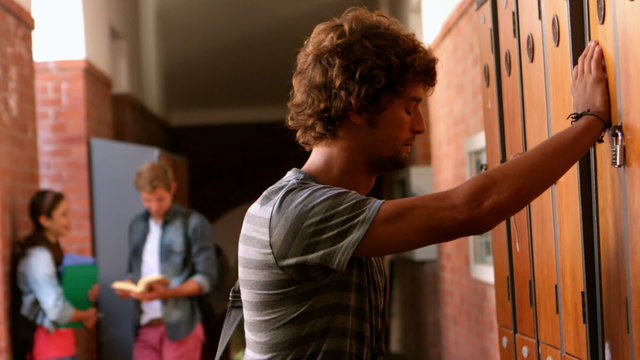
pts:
[482, 202]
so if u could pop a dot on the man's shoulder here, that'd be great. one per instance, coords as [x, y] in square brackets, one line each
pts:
[140, 218]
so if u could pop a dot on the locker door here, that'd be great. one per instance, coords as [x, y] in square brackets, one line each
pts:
[525, 348]
[506, 345]
[510, 77]
[628, 17]
[549, 353]
[494, 155]
[567, 203]
[610, 202]
[541, 209]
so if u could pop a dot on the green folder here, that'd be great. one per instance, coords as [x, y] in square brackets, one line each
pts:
[76, 282]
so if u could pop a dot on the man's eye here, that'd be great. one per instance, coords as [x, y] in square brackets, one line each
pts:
[408, 112]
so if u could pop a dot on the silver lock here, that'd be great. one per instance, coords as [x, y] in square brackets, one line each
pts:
[617, 146]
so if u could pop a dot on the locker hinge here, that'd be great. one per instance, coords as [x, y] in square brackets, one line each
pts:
[508, 288]
[584, 310]
[515, 24]
[492, 41]
[626, 300]
[530, 293]
[557, 305]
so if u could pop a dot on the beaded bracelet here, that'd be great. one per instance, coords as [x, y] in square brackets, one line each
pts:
[576, 116]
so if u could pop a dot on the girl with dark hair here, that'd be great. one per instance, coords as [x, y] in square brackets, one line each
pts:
[37, 260]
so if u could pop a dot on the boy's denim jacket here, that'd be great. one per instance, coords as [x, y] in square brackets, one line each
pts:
[181, 259]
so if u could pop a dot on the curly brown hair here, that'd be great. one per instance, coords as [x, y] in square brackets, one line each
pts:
[357, 62]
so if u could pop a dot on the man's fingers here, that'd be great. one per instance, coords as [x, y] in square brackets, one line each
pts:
[596, 63]
[588, 58]
[579, 69]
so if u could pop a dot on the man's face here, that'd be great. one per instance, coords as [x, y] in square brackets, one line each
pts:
[393, 131]
[157, 202]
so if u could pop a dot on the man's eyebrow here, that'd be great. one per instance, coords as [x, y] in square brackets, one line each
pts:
[416, 99]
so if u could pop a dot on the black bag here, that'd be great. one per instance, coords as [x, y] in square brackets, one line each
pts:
[22, 328]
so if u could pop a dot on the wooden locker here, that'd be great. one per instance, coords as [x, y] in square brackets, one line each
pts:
[506, 344]
[555, 20]
[549, 353]
[541, 209]
[525, 348]
[494, 155]
[513, 130]
[628, 21]
[610, 202]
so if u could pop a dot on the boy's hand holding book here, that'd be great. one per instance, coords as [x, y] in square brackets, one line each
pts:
[152, 287]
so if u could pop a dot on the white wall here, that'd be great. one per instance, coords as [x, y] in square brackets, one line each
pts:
[59, 30]
[434, 15]
[150, 46]
[96, 24]
[124, 21]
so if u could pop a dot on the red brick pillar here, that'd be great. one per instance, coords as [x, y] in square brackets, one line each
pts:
[73, 100]
[18, 149]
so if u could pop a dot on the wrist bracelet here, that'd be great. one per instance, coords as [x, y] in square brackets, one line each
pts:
[576, 116]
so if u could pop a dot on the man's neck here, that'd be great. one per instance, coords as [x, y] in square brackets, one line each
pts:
[339, 165]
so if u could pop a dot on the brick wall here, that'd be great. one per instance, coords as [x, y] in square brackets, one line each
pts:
[73, 103]
[467, 306]
[18, 153]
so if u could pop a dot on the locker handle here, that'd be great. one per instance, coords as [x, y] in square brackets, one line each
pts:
[600, 9]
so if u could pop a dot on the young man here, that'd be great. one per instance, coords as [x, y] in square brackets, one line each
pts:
[170, 240]
[313, 285]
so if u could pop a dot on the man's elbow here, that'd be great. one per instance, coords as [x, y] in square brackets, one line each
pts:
[478, 215]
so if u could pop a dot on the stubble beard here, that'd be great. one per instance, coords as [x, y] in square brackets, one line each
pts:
[390, 163]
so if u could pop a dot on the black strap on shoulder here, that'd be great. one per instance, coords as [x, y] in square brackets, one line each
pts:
[234, 308]
[231, 320]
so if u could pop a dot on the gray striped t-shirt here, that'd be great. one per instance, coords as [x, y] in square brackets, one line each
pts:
[304, 295]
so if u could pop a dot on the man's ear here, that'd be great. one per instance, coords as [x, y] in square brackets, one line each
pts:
[356, 117]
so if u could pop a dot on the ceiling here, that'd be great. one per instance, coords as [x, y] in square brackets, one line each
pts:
[232, 60]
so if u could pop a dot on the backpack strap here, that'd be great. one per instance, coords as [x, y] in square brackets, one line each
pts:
[231, 320]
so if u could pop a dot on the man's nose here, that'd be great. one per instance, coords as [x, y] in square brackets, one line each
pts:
[418, 121]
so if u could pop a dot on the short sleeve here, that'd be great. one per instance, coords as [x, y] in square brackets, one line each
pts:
[314, 228]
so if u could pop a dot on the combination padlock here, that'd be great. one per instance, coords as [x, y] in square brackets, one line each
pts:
[617, 146]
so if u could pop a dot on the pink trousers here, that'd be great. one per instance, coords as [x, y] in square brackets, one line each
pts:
[152, 344]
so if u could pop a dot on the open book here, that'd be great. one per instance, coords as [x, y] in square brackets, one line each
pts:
[142, 285]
